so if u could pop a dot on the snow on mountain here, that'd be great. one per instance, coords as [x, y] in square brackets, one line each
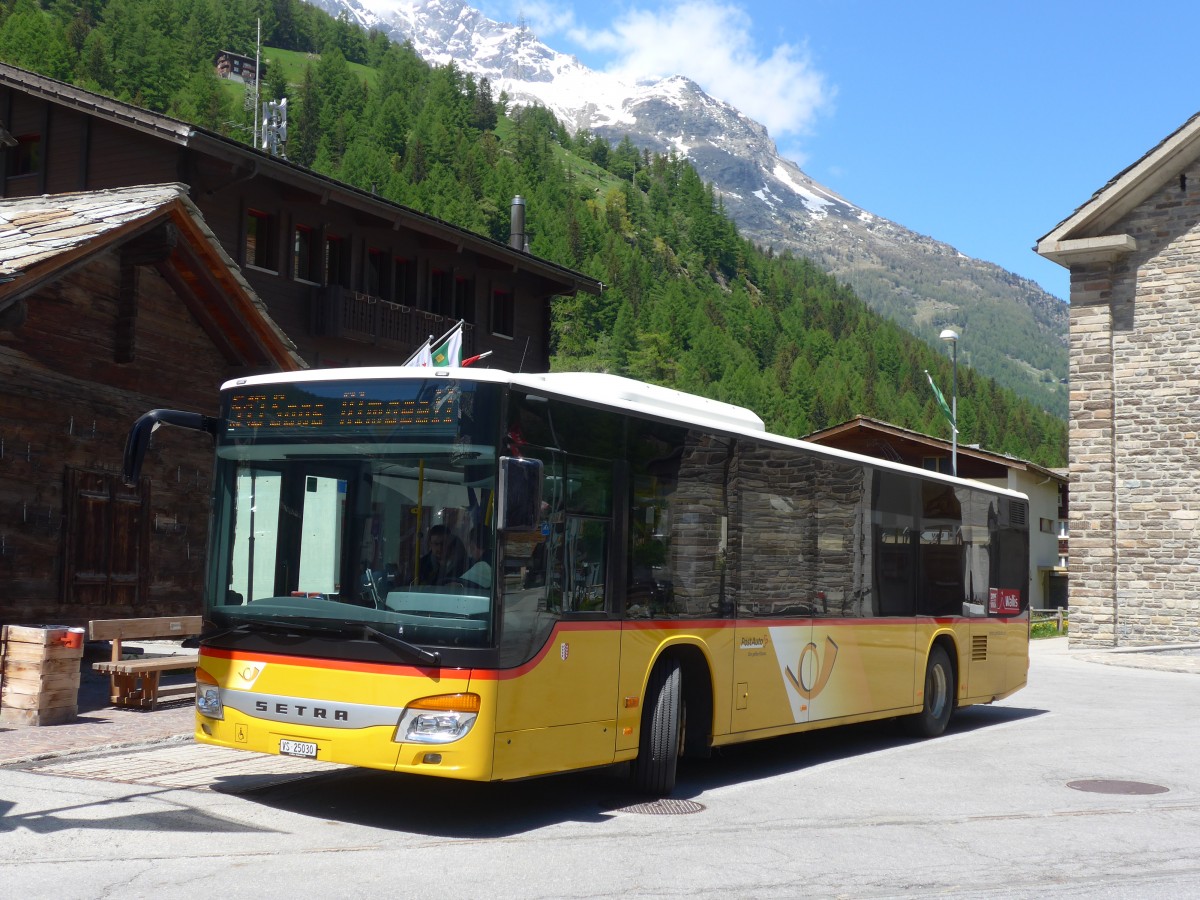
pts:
[922, 283]
[670, 113]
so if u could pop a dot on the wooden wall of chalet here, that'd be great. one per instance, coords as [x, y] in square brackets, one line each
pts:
[74, 542]
[87, 153]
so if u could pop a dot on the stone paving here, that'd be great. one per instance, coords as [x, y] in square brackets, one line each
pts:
[99, 727]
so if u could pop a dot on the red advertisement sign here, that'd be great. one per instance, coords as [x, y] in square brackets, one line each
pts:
[1004, 601]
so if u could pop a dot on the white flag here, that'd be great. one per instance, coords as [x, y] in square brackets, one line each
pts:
[423, 358]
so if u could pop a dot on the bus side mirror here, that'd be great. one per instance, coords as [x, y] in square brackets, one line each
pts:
[520, 489]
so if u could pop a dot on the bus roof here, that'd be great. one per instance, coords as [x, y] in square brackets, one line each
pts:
[614, 392]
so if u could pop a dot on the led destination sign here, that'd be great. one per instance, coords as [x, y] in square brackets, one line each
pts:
[342, 408]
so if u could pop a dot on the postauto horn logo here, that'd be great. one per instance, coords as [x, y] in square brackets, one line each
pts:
[805, 684]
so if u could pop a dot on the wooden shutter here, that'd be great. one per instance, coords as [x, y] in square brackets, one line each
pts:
[107, 540]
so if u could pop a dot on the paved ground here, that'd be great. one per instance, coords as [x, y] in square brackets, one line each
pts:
[101, 727]
[1082, 785]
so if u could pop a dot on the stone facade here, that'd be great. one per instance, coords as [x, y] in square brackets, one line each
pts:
[1135, 405]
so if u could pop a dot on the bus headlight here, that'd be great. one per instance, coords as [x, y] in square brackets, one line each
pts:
[438, 720]
[208, 696]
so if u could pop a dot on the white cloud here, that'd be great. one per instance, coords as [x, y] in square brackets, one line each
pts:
[707, 41]
[546, 17]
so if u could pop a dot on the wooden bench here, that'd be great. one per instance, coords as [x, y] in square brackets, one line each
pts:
[135, 683]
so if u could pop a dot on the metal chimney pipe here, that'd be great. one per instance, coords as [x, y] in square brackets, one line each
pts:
[516, 235]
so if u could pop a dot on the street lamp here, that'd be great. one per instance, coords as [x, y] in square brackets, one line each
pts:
[951, 336]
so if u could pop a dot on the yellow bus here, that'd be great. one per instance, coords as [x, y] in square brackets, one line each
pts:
[490, 576]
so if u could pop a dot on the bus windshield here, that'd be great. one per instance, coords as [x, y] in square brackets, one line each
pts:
[351, 505]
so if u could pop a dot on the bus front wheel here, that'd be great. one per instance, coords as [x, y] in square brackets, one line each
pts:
[653, 771]
[939, 697]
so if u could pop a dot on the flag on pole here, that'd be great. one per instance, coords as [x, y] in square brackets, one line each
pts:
[423, 358]
[449, 351]
[941, 402]
[471, 360]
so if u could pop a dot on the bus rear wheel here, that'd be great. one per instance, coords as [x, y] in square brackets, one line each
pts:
[939, 697]
[654, 769]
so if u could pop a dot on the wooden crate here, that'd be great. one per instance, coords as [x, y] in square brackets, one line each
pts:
[39, 675]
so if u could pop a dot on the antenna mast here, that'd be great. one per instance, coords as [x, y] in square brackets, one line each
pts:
[257, 79]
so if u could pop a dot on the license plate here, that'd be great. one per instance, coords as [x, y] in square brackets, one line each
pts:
[298, 748]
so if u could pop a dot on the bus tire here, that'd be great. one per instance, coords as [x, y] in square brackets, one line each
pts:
[653, 771]
[931, 721]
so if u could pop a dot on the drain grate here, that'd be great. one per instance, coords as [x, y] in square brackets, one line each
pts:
[1110, 786]
[664, 807]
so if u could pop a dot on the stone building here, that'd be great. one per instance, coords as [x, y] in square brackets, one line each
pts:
[1133, 250]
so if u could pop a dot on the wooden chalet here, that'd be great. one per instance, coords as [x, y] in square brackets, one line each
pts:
[113, 303]
[351, 278]
[174, 260]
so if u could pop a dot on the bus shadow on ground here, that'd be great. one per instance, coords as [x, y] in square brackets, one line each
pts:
[455, 809]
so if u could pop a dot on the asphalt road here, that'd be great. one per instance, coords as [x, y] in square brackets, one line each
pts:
[992, 809]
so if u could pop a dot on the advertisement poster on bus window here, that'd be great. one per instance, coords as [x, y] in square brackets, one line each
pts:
[1004, 601]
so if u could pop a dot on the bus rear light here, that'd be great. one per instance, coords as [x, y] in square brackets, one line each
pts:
[438, 720]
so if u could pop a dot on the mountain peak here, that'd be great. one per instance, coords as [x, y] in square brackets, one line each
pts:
[920, 282]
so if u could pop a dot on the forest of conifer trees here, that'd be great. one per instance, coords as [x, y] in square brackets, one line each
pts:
[687, 301]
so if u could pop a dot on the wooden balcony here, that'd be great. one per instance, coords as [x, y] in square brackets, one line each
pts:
[353, 316]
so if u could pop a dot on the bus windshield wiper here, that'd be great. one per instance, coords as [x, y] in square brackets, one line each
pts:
[342, 629]
[430, 657]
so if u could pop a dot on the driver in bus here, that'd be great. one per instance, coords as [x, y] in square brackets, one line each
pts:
[444, 560]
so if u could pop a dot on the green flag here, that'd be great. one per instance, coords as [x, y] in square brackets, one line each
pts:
[941, 402]
[449, 352]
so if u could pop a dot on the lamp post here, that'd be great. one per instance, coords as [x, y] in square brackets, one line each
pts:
[951, 336]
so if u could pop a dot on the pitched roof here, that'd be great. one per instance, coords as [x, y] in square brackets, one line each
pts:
[868, 433]
[43, 238]
[34, 229]
[1082, 235]
[216, 145]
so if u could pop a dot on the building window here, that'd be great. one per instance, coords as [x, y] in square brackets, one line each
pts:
[1046, 526]
[441, 292]
[304, 245]
[502, 312]
[377, 272]
[335, 260]
[26, 157]
[1063, 531]
[259, 240]
[937, 464]
[404, 274]
[464, 299]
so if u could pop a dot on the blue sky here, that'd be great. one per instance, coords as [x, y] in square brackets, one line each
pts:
[981, 124]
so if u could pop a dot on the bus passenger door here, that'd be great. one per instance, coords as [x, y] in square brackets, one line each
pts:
[558, 710]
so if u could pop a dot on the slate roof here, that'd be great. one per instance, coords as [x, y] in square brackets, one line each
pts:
[34, 229]
[43, 238]
[1127, 189]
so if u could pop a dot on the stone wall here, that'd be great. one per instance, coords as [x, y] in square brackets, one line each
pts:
[1135, 430]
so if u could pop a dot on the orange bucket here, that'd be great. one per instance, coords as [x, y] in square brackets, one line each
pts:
[73, 639]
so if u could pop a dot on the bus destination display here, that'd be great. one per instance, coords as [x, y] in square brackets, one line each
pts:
[346, 409]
